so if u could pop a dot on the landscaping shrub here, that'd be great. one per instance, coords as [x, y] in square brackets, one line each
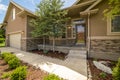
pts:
[19, 73]
[9, 57]
[103, 75]
[116, 71]
[14, 63]
[2, 40]
[6, 75]
[4, 54]
[52, 77]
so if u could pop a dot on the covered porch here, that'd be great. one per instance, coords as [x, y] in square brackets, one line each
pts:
[77, 31]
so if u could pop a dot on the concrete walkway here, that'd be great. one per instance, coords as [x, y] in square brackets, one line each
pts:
[73, 68]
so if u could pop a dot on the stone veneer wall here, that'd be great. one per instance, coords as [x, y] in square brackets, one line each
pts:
[7, 44]
[63, 42]
[105, 49]
[32, 43]
[23, 45]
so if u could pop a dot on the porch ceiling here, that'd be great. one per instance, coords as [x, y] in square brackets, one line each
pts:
[75, 12]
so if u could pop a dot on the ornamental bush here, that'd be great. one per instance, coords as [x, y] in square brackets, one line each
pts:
[2, 40]
[4, 54]
[9, 57]
[6, 75]
[52, 77]
[116, 71]
[19, 73]
[14, 63]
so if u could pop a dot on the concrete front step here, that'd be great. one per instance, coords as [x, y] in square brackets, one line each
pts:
[77, 48]
[77, 53]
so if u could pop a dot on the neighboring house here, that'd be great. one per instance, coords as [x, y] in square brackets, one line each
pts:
[87, 28]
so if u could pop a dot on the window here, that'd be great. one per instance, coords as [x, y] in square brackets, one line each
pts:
[13, 14]
[113, 27]
[115, 24]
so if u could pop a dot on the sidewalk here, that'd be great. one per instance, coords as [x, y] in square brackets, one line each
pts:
[73, 68]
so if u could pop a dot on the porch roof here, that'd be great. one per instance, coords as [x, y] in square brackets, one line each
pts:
[83, 8]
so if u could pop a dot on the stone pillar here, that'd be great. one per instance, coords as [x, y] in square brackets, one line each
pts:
[23, 45]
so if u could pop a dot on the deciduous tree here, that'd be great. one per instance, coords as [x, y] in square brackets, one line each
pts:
[51, 19]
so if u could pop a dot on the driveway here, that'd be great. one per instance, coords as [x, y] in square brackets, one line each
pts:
[73, 68]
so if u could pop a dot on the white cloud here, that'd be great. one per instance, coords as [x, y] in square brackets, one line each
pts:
[3, 8]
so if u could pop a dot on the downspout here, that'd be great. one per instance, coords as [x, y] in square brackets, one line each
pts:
[88, 45]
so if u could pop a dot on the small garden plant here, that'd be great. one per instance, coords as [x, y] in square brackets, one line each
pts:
[103, 75]
[6, 75]
[4, 54]
[14, 63]
[52, 77]
[11, 59]
[19, 73]
[116, 71]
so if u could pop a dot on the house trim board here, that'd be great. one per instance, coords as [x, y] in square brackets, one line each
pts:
[109, 28]
[94, 4]
[105, 37]
[16, 32]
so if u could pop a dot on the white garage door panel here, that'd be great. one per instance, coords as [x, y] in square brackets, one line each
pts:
[15, 40]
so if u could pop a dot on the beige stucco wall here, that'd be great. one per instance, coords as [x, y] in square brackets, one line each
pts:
[98, 22]
[17, 25]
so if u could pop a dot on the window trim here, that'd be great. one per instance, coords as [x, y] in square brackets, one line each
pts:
[13, 14]
[109, 26]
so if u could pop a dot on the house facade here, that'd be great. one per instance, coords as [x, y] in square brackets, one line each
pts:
[101, 34]
[17, 28]
[88, 28]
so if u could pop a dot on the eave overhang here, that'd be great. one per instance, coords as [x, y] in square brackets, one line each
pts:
[80, 5]
[91, 12]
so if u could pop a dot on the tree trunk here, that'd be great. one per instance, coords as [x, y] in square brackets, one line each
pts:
[44, 43]
[53, 44]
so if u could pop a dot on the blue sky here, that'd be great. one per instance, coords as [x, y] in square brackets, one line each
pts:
[29, 4]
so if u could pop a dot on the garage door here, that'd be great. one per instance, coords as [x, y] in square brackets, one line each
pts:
[15, 40]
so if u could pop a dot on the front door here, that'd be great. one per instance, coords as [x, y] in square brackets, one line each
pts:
[80, 36]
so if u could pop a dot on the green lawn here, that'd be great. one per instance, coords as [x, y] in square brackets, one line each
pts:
[2, 44]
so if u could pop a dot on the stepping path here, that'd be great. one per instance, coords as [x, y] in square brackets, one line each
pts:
[73, 68]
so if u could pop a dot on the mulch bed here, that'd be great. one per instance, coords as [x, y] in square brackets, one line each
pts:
[55, 54]
[97, 74]
[33, 73]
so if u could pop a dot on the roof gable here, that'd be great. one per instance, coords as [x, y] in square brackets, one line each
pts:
[23, 10]
[82, 3]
